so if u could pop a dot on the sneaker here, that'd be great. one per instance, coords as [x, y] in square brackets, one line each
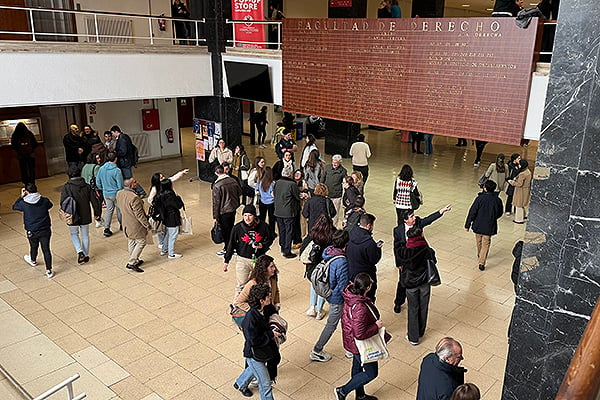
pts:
[320, 356]
[221, 253]
[320, 315]
[507, 213]
[347, 354]
[86, 259]
[476, 164]
[413, 343]
[246, 392]
[174, 256]
[297, 246]
[164, 253]
[134, 267]
[139, 262]
[107, 232]
[80, 257]
[160, 246]
[481, 267]
[49, 273]
[253, 383]
[98, 223]
[29, 261]
[338, 393]
[366, 397]
[290, 255]
[311, 312]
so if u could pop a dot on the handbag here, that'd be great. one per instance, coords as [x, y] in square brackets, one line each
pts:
[186, 224]
[484, 178]
[280, 325]
[216, 234]
[415, 199]
[374, 348]
[237, 315]
[305, 255]
[433, 275]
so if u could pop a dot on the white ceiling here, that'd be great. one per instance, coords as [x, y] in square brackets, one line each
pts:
[481, 6]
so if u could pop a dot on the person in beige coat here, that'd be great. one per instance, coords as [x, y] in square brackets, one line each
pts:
[135, 222]
[522, 195]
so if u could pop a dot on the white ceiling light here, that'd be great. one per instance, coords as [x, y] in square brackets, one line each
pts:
[466, 5]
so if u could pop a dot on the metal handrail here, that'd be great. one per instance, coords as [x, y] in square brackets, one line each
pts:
[68, 383]
[96, 36]
[234, 42]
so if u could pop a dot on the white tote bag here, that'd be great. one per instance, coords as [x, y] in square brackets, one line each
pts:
[374, 348]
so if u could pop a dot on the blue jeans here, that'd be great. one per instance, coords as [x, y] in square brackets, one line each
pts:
[361, 375]
[83, 244]
[316, 300]
[161, 233]
[428, 137]
[111, 204]
[259, 370]
[168, 243]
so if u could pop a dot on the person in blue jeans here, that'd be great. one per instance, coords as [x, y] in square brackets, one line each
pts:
[259, 344]
[428, 139]
[110, 181]
[360, 320]
[169, 204]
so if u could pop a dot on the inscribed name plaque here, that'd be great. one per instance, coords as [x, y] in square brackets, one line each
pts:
[447, 76]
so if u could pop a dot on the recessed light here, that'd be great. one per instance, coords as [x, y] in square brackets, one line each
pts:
[489, 9]
[466, 5]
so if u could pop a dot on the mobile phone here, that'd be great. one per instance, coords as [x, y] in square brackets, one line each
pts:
[380, 243]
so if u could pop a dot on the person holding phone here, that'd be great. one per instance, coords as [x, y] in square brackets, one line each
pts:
[363, 253]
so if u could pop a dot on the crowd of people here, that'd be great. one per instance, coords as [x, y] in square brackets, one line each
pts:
[314, 207]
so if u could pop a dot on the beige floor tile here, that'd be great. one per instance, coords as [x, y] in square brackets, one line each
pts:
[6, 286]
[173, 311]
[38, 356]
[201, 391]
[110, 338]
[41, 318]
[91, 326]
[117, 306]
[155, 301]
[193, 322]
[133, 318]
[72, 343]
[56, 330]
[173, 342]
[77, 313]
[131, 388]
[173, 382]
[90, 357]
[219, 372]
[390, 373]
[129, 352]
[109, 373]
[154, 396]
[14, 296]
[150, 366]
[63, 302]
[27, 307]
[152, 330]
[195, 356]
[8, 391]
[15, 328]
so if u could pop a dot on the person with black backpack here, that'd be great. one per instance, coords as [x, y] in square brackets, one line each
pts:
[334, 258]
[24, 143]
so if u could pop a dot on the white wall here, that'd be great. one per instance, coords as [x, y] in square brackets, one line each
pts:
[35, 78]
[128, 115]
[275, 72]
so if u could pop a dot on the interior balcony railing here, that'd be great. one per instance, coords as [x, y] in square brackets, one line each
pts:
[50, 24]
[255, 34]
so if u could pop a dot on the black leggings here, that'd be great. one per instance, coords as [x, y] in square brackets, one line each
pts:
[262, 135]
[35, 239]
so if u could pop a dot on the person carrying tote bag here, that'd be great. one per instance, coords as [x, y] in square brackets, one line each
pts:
[360, 321]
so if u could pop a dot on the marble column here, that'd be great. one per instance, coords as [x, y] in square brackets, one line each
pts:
[340, 136]
[559, 282]
[428, 8]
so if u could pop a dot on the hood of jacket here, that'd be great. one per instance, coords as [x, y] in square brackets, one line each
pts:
[77, 181]
[331, 252]
[32, 198]
[351, 299]
[360, 235]
[110, 166]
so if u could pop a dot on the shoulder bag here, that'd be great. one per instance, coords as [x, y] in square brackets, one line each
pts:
[415, 199]
[374, 348]
[216, 234]
[433, 275]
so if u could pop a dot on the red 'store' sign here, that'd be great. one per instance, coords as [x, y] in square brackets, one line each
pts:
[249, 34]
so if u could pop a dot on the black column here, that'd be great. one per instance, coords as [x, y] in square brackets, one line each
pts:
[559, 282]
[428, 8]
[357, 10]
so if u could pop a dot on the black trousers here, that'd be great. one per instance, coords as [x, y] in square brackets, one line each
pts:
[268, 209]
[364, 170]
[297, 230]
[418, 307]
[400, 293]
[27, 167]
[262, 134]
[286, 226]
[226, 221]
[37, 238]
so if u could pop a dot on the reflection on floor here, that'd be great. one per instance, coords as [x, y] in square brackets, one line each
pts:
[166, 333]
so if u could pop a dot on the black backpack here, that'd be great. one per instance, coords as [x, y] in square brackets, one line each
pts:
[135, 155]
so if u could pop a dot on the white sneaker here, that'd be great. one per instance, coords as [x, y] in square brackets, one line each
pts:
[311, 312]
[164, 253]
[507, 213]
[160, 246]
[221, 253]
[49, 274]
[320, 315]
[174, 255]
[320, 356]
[29, 261]
[98, 223]
[348, 354]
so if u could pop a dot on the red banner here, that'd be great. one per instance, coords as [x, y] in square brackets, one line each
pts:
[249, 34]
[340, 3]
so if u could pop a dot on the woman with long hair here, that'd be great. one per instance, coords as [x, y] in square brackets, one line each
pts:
[313, 169]
[497, 172]
[254, 175]
[155, 182]
[317, 205]
[168, 203]
[358, 181]
[321, 235]
[266, 201]
[513, 171]
[308, 148]
[221, 153]
[241, 167]
[522, 195]
[403, 187]
[350, 193]
[360, 320]
[260, 350]
[265, 272]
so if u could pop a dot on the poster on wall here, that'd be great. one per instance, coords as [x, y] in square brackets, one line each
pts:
[200, 155]
[249, 34]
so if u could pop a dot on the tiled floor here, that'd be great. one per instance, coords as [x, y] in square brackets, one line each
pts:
[166, 334]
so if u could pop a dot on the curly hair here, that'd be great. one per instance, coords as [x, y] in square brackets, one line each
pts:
[260, 272]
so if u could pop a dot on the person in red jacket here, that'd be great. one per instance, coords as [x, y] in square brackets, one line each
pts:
[360, 320]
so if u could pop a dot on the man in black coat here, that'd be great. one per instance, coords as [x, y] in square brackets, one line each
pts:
[74, 147]
[363, 253]
[287, 205]
[124, 150]
[440, 373]
[23, 142]
[410, 220]
[483, 219]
